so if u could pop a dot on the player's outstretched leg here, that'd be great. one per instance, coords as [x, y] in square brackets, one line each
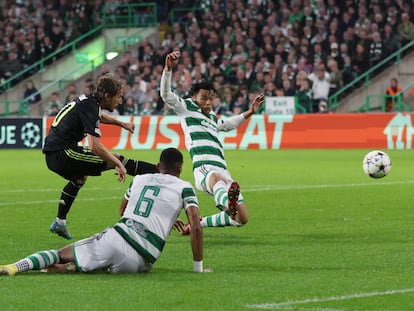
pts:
[36, 261]
[135, 167]
[228, 201]
[67, 197]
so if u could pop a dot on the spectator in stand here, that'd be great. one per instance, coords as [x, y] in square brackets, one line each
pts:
[147, 109]
[405, 29]
[301, 75]
[360, 60]
[12, 66]
[348, 72]
[130, 107]
[45, 48]
[392, 91]
[258, 82]
[31, 93]
[334, 54]
[336, 77]
[83, 22]
[321, 85]
[71, 30]
[218, 107]
[318, 54]
[375, 49]
[136, 90]
[238, 105]
[304, 96]
[390, 41]
[53, 105]
[71, 93]
[288, 88]
[145, 96]
[57, 36]
[28, 56]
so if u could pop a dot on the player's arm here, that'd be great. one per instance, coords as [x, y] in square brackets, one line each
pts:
[108, 119]
[172, 100]
[196, 237]
[97, 148]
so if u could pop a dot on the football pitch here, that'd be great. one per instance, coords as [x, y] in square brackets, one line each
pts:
[321, 236]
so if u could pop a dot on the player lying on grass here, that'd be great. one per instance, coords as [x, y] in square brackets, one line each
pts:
[149, 210]
[201, 128]
[79, 118]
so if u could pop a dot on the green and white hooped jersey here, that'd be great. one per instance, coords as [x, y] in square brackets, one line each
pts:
[154, 203]
[201, 131]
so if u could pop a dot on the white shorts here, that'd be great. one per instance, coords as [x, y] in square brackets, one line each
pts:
[109, 251]
[202, 175]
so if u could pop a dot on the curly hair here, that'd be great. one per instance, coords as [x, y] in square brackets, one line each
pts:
[107, 84]
[202, 85]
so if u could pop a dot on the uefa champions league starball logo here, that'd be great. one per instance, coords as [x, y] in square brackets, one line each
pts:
[30, 134]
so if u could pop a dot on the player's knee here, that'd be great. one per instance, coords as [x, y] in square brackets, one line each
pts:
[213, 178]
[65, 254]
[80, 182]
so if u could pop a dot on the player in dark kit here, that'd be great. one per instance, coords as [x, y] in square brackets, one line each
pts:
[81, 118]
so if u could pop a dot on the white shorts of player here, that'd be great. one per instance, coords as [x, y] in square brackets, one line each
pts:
[109, 251]
[202, 175]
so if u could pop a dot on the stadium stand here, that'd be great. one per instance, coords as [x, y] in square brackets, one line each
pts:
[253, 43]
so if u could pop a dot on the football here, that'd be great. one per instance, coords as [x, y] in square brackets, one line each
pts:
[376, 164]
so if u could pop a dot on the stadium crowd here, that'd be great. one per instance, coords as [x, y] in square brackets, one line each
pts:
[303, 48]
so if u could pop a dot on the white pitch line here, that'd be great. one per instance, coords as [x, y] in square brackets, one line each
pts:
[56, 200]
[289, 304]
[53, 190]
[248, 189]
[323, 186]
[253, 188]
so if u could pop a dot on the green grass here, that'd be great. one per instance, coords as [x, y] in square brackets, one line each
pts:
[321, 236]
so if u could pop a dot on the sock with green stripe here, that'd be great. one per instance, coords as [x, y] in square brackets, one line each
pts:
[220, 195]
[221, 219]
[38, 261]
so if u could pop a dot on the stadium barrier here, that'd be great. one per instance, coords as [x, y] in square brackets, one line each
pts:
[265, 132]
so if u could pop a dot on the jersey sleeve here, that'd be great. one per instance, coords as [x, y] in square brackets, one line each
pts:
[172, 100]
[189, 197]
[228, 124]
[90, 116]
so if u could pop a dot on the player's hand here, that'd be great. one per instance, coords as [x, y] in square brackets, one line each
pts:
[121, 172]
[257, 102]
[179, 225]
[130, 127]
[171, 60]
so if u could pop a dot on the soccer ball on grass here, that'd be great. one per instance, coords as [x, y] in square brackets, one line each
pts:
[376, 164]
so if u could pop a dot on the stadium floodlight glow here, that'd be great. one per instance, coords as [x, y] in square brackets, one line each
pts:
[111, 55]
